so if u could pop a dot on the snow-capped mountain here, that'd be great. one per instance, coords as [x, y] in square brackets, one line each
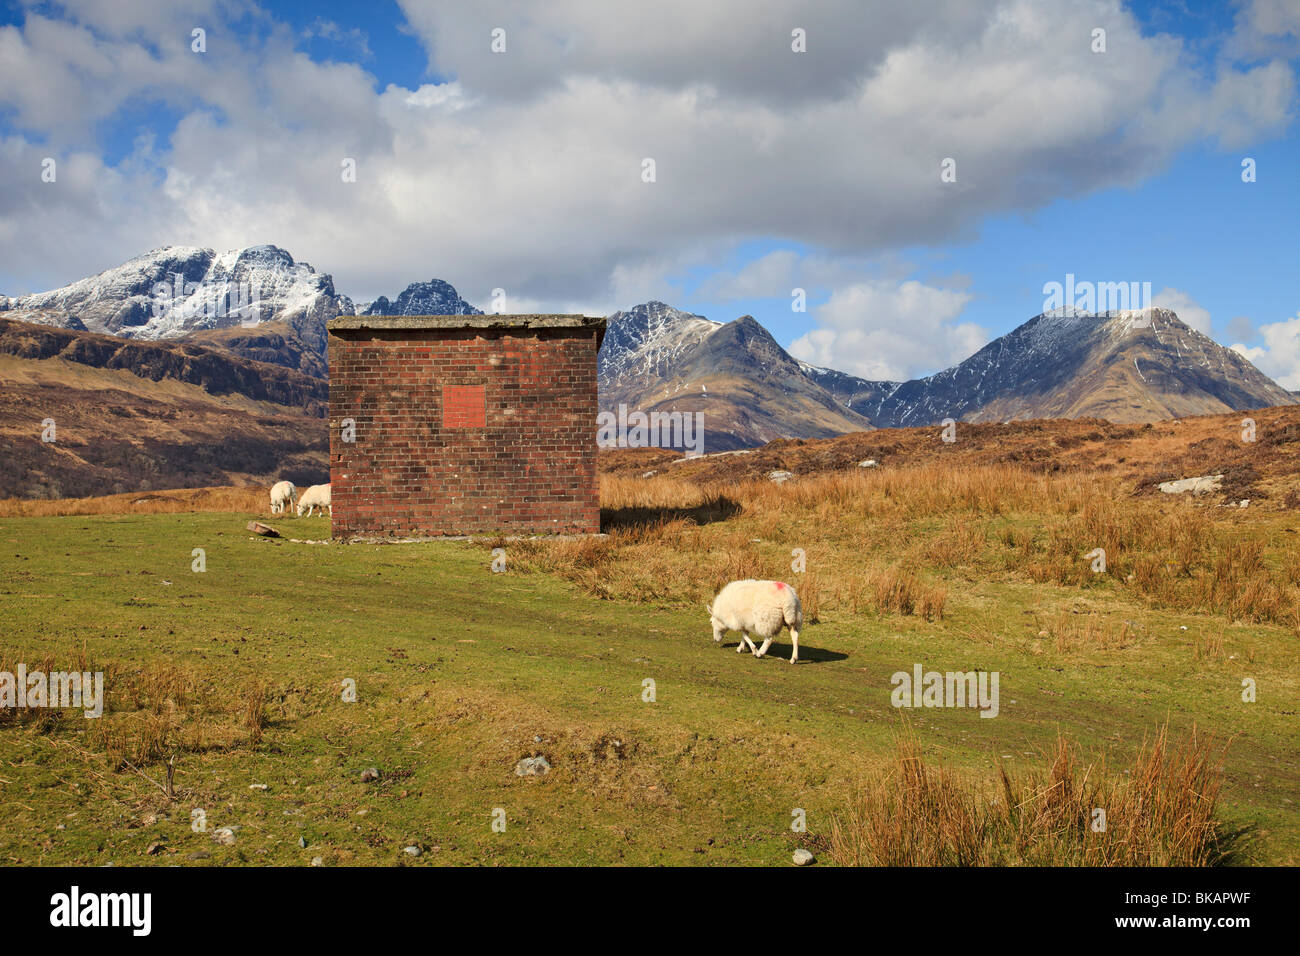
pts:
[1122, 366]
[644, 346]
[434, 297]
[259, 303]
[179, 290]
[853, 392]
[749, 389]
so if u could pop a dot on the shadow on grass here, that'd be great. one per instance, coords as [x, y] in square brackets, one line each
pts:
[807, 655]
[1238, 845]
[715, 509]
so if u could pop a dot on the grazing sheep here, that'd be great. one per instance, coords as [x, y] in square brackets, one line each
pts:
[317, 496]
[283, 495]
[757, 607]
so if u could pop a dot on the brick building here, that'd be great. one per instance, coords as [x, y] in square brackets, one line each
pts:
[463, 424]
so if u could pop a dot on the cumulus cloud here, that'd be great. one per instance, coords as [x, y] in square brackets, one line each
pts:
[353, 40]
[1279, 356]
[1266, 28]
[1185, 306]
[522, 170]
[882, 330]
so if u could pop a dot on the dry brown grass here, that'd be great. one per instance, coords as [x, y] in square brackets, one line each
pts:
[888, 542]
[151, 712]
[1086, 630]
[894, 590]
[1163, 813]
[250, 500]
[1208, 648]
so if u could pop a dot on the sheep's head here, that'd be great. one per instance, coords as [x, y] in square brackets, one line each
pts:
[718, 628]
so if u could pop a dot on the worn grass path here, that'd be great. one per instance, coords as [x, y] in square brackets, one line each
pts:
[460, 671]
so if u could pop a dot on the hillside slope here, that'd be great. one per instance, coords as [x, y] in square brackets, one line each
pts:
[136, 416]
[749, 390]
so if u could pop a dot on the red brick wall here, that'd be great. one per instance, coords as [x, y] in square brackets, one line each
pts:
[422, 465]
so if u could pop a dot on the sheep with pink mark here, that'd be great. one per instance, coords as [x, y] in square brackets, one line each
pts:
[760, 608]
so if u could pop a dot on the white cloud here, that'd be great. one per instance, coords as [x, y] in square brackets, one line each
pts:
[882, 330]
[1279, 356]
[769, 276]
[522, 171]
[354, 39]
[1185, 306]
[1266, 28]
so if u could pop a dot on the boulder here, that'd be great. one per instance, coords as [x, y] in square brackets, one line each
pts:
[532, 767]
[1197, 486]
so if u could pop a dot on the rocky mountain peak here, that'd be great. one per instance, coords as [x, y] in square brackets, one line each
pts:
[1129, 366]
[175, 291]
[434, 297]
[748, 388]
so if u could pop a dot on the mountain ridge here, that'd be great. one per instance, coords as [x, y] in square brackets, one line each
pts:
[434, 297]
[748, 388]
[1075, 365]
[173, 291]
[1120, 366]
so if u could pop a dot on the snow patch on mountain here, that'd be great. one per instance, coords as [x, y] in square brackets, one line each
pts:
[646, 343]
[176, 290]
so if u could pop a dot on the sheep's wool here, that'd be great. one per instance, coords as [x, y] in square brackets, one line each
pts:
[761, 608]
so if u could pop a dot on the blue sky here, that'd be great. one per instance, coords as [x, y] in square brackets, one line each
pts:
[775, 170]
[1231, 246]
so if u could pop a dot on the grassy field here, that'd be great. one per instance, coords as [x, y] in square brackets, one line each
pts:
[234, 677]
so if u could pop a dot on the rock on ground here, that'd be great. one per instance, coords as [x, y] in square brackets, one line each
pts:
[532, 767]
[1197, 486]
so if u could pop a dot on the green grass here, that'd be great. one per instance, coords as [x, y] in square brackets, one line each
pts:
[458, 670]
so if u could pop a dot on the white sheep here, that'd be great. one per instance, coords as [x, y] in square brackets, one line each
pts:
[283, 495]
[317, 496]
[757, 607]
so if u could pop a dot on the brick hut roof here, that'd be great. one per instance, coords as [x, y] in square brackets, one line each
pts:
[397, 323]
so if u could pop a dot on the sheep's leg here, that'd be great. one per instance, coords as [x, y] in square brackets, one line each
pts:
[794, 638]
[745, 635]
[763, 650]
